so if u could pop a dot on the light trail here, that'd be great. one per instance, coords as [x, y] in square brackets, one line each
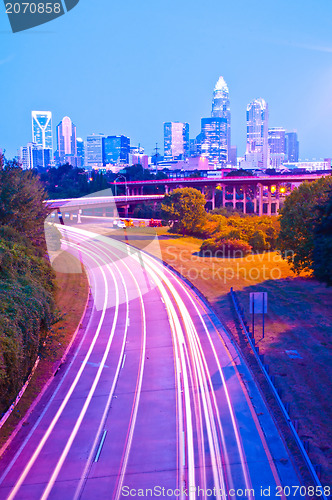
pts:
[63, 405]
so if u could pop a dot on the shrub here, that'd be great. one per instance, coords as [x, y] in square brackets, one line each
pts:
[225, 248]
[258, 242]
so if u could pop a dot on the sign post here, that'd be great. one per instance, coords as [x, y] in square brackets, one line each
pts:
[258, 305]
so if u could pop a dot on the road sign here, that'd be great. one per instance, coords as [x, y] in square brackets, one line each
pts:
[258, 305]
[258, 301]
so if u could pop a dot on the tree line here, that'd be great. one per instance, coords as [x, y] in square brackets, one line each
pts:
[27, 286]
[67, 181]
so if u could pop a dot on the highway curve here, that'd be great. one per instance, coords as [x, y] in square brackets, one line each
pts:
[152, 401]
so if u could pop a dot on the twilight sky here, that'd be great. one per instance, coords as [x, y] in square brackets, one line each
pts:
[125, 67]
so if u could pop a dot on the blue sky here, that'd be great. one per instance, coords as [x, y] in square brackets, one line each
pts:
[125, 67]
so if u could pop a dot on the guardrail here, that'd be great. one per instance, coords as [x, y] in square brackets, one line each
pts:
[270, 380]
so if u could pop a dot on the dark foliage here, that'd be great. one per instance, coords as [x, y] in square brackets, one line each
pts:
[72, 182]
[22, 204]
[322, 253]
[26, 310]
[299, 216]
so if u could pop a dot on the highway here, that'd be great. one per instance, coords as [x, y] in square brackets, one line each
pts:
[152, 395]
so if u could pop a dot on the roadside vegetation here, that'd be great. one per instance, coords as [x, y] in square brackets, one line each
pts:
[30, 303]
[302, 233]
[27, 307]
[67, 181]
[306, 229]
[68, 286]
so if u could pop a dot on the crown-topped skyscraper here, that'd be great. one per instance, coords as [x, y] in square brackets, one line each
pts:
[216, 131]
[221, 107]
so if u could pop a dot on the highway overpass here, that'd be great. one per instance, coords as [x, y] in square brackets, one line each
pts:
[258, 194]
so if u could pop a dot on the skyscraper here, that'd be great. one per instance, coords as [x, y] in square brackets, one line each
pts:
[257, 153]
[213, 139]
[80, 146]
[221, 109]
[94, 151]
[277, 143]
[42, 129]
[33, 156]
[176, 140]
[66, 140]
[116, 149]
[292, 147]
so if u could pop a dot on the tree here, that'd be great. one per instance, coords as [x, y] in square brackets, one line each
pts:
[258, 241]
[185, 209]
[67, 181]
[240, 172]
[322, 253]
[22, 204]
[298, 217]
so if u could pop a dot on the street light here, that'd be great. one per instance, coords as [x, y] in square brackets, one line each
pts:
[123, 177]
[119, 177]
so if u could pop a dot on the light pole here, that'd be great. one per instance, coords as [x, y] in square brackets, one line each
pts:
[123, 177]
[119, 177]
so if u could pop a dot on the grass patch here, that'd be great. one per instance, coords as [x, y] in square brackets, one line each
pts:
[71, 298]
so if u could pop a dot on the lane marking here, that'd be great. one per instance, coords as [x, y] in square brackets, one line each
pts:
[123, 362]
[91, 391]
[100, 446]
[96, 380]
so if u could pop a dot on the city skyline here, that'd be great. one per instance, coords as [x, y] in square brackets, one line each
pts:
[213, 141]
[266, 147]
[149, 81]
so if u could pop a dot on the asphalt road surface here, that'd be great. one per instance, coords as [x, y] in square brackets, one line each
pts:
[153, 399]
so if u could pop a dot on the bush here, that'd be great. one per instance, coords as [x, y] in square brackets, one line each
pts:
[225, 248]
[258, 242]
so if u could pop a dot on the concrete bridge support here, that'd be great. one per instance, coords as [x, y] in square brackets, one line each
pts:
[244, 199]
[277, 199]
[213, 198]
[269, 201]
[234, 197]
[260, 200]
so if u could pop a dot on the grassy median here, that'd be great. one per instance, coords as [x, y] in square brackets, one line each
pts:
[71, 296]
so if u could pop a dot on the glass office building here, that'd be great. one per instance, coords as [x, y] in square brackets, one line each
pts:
[292, 147]
[116, 149]
[80, 148]
[34, 156]
[213, 140]
[176, 140]
[94, 151]
[277, 146]
[257, 153]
